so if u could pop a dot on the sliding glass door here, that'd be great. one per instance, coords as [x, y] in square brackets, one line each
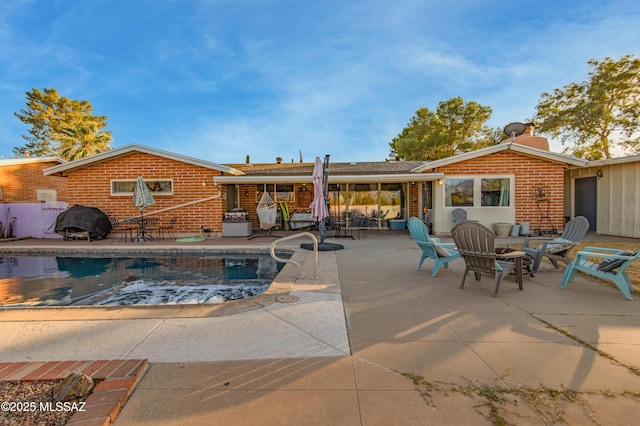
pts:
[367, 205]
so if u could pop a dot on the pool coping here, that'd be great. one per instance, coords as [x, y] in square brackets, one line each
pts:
[281, 285]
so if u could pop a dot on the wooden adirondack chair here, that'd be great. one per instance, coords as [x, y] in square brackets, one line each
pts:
[556, 249]
[476, 244]
[612, 268]
[432, 248]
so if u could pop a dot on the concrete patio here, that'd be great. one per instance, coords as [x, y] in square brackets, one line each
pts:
[372, 341]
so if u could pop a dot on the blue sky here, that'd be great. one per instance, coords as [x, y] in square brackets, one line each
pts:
[220, 79]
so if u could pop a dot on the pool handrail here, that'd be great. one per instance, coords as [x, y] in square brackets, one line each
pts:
[291, 237]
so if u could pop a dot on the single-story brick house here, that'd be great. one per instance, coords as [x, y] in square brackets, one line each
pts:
[510, 182]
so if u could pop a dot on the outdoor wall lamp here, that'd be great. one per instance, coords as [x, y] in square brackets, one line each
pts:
[599, 173]
[440, 181]
[246, 193]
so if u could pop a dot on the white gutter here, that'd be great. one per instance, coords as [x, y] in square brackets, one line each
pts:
[405, 177]
[615, 160]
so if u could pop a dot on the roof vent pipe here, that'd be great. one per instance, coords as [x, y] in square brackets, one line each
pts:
[529, 129]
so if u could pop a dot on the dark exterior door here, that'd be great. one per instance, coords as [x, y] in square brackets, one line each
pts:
[585, 199]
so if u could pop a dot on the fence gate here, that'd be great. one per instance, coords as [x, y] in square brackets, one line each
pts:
[31, 220]
[50, 213]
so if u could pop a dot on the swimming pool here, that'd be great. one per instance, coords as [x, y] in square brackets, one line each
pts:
[133, 279]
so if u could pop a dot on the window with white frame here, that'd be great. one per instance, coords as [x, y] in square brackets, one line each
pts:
[478, 191]
[458, 192]
[125, 187]
[495, 192]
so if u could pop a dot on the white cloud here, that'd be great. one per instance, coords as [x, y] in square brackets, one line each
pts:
[228, 78]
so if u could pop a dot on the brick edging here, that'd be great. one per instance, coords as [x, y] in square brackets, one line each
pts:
[117, 379]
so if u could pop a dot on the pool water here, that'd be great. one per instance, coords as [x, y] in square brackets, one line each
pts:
[127, 280]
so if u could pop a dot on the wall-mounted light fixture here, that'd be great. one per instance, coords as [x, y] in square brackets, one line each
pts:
[599, 173]
[246, 193]
[440, 182]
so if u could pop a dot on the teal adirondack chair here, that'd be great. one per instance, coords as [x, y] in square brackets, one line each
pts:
[612, 268]
[432, 248]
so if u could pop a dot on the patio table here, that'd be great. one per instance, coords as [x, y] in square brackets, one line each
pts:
[512, 255]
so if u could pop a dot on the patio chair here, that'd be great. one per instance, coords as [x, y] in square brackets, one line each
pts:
[612, 268]
[458, 216]
[124, 228]
[476, 244]
[167, 229]
[556, 249]
[432, 248]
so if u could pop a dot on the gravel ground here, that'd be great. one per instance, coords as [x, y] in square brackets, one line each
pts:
[32, 404]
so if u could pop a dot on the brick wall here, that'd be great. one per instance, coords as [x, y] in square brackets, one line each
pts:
[90, 186]
[20, 181]
[414, 194]
[529, 173]
[249, 200]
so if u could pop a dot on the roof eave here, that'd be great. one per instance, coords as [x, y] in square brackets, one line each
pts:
[31, 160]
[612, 161]
[523, 149]
[86, 161]
[405, 177]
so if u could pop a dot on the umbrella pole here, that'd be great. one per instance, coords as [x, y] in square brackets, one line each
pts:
[325, 190]
[142, 237]
[323, 230]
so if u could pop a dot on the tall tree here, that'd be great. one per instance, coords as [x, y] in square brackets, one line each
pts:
[455, 127]
[61, 127]
[601, 112]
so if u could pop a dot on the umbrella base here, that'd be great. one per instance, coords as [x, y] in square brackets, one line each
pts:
[323, 246]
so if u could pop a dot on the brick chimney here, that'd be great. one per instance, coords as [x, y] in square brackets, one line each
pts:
[528, 138]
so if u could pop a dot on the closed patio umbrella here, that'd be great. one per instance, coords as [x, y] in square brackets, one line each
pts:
[318, 206]
[142, 199]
